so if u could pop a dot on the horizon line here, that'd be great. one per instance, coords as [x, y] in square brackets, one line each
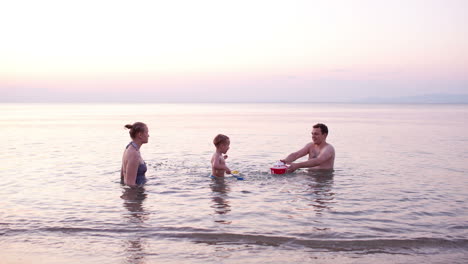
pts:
[230, 102]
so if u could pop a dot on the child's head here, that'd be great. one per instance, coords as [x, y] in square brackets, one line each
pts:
[221, 142]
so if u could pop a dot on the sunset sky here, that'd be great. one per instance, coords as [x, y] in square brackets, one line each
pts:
[231, 51]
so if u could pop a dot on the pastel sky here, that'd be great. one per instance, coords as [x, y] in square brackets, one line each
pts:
[231, 51]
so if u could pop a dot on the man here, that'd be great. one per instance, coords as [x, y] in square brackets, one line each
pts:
[321, 154]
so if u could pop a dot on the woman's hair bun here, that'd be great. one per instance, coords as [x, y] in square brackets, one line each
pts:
[137, 127]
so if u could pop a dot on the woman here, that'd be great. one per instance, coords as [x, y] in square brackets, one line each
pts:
[133, 168]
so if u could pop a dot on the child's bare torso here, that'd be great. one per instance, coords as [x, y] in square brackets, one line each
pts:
[217, 158]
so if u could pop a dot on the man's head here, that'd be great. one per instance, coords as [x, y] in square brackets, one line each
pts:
[319, 133]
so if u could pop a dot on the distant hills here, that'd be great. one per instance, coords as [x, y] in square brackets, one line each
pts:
[420, 99]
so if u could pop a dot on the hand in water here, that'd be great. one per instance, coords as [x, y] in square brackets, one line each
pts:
[292, 168]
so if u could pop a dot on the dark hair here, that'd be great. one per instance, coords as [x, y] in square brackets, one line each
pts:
[323, 128]
[220, 139]
[136, 128]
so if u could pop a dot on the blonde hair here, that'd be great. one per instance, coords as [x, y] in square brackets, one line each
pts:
[220, 139]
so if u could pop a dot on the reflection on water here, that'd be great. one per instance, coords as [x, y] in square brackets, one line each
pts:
[220, 204]
[399, 201]
[133, 202]
[320, 187]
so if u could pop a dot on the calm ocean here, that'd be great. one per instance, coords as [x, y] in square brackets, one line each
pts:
[398, 194]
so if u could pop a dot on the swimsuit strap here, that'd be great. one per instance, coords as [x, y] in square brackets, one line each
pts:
[133, 144]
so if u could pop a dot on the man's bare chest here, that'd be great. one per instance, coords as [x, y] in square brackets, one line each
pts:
[313, 153]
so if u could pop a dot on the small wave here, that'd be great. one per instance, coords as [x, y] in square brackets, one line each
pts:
[324, 244]
[198, 235]
[459, 227]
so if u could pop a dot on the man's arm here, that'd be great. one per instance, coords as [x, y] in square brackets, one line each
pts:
[296, 155]
[324, 155]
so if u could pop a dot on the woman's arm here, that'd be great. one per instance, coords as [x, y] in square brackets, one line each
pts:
[132, 169]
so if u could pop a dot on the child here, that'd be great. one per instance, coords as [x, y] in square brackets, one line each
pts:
[218, 163]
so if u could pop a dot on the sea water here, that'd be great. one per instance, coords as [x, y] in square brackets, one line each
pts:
[398, 193]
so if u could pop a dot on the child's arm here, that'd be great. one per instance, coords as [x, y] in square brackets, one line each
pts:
[220, 165]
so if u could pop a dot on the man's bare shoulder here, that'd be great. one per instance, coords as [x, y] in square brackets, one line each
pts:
[328, 147]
